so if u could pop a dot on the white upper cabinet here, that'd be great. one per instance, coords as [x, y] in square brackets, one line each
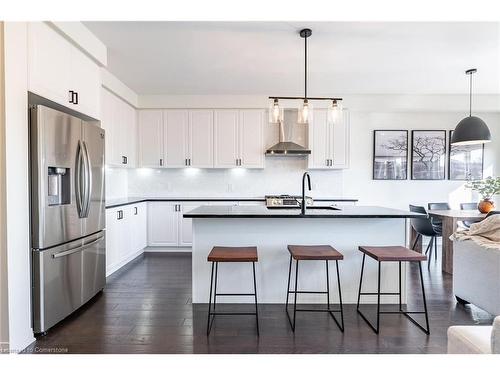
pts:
[201, 147]
[251, 138]
[150, 123]
[329, 142]
[226, 138]
[119, 121]
[176, 138]
[59, 71]
[239, 138]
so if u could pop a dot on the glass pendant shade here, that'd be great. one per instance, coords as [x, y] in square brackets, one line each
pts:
[304, 113]
[335, 112]
[275, 112]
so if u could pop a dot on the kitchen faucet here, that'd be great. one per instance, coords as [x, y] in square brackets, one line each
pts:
[303, 203]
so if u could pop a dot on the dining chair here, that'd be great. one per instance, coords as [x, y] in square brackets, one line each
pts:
[423, 226]
[437, 224]
[468, 206]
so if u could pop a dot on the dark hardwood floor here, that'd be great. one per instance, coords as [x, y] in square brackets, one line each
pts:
[146, 308]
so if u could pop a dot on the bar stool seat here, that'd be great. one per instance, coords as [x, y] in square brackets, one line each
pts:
[392, 254]
[233, 254]
[222, 254]
[397, 254]
[318, 253]
[314, 252]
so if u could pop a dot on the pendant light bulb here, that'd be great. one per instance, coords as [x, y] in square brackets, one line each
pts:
[275, 112]
[304, 113]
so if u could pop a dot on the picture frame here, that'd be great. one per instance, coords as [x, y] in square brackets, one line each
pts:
[428, 154]
[390, 155]
[465, 162]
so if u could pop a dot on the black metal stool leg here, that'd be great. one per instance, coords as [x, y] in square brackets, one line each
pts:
[215, 288]
[210, 300]
[428, 331]
[255, 291]
[288, 284]
[327, 286]
[340, 299]
[361, 281]
[417, 237]
[435, 249]
[400, 308]
[430, 252]
[295, 297]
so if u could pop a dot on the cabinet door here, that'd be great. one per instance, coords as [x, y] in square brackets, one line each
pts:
[131, 135]
[226, 138]
[162, 224]
[86, 81]
[319, 140]
[112, 239]
[201, 145]
[138, 227]
[186, 225]
[150, 127]
[340, 142]
[48, 63]
[120, 128]
[107, 122]
[251, 138]
[175, 134]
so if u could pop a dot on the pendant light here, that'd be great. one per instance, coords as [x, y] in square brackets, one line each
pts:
[275, 112]
[334, 112]
[471, 130]
[305, 111]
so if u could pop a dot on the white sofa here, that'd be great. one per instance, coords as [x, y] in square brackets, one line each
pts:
[476, 275]
[474, 339]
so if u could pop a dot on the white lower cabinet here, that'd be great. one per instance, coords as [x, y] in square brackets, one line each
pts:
[125, 235]
[166, 225]
[163, 224]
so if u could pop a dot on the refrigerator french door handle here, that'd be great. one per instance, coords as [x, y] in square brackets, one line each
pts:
[76, 249]
[88, 180]
[78, 180]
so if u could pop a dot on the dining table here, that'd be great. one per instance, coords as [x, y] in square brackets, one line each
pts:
[450, 220]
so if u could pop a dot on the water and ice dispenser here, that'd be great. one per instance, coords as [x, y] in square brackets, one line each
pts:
[59, 186]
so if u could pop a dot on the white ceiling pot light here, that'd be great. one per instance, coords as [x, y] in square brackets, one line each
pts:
[304, 113]
[471, 130]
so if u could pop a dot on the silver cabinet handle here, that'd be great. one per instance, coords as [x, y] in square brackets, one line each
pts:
[185, 162]
[189, 162]
[120, 214]
[161, 162]
[76, 249]
[135, 211]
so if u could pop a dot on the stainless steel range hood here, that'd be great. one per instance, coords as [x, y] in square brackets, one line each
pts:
[286, 147]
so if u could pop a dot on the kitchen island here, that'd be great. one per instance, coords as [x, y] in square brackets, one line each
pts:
[271, 230]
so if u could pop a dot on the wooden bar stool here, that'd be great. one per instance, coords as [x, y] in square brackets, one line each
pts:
[316, 252]
[230, 254]
[392, 254]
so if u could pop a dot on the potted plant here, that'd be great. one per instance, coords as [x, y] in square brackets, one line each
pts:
[487, 188]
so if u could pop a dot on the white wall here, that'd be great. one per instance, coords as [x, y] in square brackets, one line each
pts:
[17, 186]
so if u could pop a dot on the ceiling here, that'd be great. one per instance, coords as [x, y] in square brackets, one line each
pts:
[267, 58]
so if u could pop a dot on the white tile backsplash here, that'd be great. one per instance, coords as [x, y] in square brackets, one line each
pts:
[281, 175]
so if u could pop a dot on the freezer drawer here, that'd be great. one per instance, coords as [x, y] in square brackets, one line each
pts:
[65, 277]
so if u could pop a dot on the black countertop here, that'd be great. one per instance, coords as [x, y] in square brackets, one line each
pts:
[261, 212]
[111, 203]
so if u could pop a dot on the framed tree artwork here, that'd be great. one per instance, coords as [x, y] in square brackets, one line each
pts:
[428, 154]
[390, 154]
[465, 162]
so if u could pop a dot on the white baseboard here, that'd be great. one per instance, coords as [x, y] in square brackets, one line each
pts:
[115, 267]
[161, 249]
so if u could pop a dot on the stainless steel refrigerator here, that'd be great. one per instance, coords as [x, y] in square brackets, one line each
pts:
[67, 213]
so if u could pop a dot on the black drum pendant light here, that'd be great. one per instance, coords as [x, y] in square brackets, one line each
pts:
[471, 130]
